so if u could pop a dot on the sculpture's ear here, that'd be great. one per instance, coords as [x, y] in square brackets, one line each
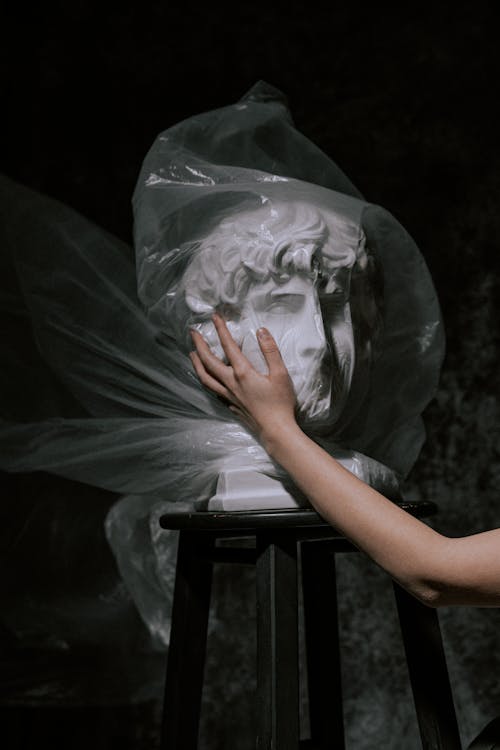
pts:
[198, 305]
[300, 256]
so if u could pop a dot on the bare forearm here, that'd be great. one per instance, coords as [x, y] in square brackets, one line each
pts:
[436, 569]
[411, 552]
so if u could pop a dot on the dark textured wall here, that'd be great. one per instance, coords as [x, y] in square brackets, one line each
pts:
[407, 104]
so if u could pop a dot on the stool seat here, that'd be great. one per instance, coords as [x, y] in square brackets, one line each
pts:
[288, 541]
[253, 520]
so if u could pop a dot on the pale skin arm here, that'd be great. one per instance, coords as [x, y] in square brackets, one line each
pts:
[438, 570]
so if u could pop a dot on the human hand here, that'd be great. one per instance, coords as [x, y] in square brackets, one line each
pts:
[266, 403]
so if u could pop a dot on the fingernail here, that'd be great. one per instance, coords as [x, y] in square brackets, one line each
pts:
[263, 333]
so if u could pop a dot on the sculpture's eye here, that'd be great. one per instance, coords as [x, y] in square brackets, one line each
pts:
[282, 304]
[330, 291]
[322, 280]
[280, 258]
[320, 277]
[281, 277]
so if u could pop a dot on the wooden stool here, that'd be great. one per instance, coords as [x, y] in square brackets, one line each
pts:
[277, 535]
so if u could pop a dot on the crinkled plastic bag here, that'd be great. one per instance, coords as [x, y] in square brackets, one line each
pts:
[116, 403]
[206, 197]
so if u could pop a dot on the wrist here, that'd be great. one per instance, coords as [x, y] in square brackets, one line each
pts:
[275, 435]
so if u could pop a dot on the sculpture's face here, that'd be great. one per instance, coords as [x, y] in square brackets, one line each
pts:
[291, 312]
[276, 269]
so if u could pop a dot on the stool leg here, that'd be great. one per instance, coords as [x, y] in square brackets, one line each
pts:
[428, 673]
[188, 636]
[277, 644]
[322, 646]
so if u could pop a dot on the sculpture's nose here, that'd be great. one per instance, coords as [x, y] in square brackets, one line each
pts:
[307, 355]
[311, 344]
[311, 350]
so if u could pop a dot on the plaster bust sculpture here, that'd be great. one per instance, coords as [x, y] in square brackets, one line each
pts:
[282, 266]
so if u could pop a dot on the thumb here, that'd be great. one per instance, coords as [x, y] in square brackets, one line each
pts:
[269, 349]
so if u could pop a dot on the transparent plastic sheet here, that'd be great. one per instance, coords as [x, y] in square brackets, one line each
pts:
[116, 403]
[211, 182]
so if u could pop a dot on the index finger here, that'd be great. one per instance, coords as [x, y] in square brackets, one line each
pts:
[229, 345]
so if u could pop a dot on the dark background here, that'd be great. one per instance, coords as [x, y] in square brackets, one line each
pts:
[406, 103]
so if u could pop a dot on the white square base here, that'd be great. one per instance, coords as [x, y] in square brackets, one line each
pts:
[247, 489]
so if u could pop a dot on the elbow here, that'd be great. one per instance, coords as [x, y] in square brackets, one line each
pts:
[429, 578]
[427, 593]
[435, 598]
[430, 596]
